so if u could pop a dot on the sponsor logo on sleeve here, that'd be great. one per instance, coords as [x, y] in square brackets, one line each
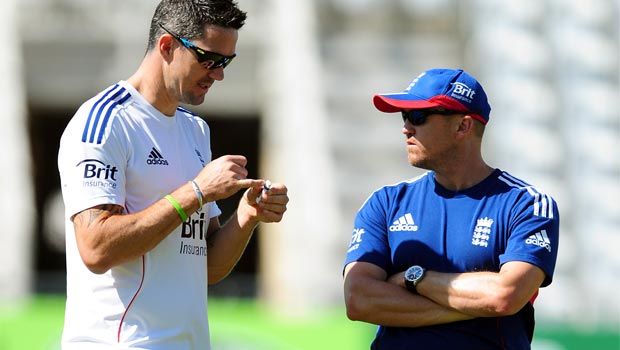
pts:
[356, 239]
[98, 174]
[540, 239]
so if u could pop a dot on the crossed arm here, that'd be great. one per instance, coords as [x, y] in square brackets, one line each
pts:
[371, 296]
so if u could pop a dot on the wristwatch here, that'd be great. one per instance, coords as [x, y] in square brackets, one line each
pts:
[413, 276]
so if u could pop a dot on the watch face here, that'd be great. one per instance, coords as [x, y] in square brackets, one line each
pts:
[413, 273]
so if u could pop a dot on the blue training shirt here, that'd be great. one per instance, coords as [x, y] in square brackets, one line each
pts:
[419, 222]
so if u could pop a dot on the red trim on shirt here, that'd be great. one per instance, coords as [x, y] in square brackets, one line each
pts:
[534, 297]
[120, 325]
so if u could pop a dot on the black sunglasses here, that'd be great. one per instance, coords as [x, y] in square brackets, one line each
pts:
[208, 59]
[418, 117]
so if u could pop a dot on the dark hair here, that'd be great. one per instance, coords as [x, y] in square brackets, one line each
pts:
[187, 18]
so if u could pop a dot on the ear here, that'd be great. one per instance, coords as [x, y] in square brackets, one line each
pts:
[465, 125]
[166, 47]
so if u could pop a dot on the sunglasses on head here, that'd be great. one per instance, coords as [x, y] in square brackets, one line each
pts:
[418, 116]
[208, 59]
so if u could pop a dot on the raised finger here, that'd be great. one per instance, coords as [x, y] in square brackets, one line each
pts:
[247, 183]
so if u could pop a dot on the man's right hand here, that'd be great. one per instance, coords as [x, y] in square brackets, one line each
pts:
[223, 177]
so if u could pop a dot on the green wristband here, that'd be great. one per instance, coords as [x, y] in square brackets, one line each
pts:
[177, 206]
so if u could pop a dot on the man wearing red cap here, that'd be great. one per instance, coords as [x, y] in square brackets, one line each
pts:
[454, 258]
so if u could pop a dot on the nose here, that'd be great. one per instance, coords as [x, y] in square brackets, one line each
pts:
[408, 129]
[216, 74]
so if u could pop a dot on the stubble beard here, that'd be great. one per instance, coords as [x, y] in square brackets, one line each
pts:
[192, 99]
[423, 160]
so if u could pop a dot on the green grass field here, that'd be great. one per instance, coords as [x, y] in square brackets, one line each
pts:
[246, 324]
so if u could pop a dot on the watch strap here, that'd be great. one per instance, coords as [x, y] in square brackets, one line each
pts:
[411, 287]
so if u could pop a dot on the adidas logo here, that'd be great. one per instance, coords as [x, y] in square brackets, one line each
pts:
[404, 223]
[540, 239]
[155, 158]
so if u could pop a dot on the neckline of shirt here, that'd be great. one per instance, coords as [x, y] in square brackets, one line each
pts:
[168, 121]
[468, 192]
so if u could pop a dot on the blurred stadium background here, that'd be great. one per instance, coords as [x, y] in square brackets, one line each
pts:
[297, 102]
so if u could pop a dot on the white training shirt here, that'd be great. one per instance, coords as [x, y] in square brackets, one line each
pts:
[118, 149]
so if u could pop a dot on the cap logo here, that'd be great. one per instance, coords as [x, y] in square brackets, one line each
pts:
[463, 92]
[415, 81]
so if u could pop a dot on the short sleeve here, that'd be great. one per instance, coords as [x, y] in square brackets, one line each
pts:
[91, 173]
[534, 233]
[369, 242]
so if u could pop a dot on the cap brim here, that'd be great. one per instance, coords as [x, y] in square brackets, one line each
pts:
[391, 103]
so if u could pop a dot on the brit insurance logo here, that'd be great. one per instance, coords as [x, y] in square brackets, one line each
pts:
[98, 174]
[194, 234]
[482, 232]
[356, 239]
[155, 158]
[462, 92]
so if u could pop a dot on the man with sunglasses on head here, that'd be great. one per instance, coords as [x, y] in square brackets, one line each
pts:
[454, 258]
[140, 191]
